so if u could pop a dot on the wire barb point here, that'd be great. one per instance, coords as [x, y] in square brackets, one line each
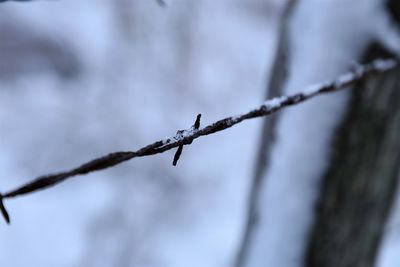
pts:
[4, 212]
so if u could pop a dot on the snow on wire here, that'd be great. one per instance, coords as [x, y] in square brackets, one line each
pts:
[186, 137]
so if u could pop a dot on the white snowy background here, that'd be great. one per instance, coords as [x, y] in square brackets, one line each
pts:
[79, 79]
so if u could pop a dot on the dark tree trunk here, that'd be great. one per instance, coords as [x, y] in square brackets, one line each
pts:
[360, 184]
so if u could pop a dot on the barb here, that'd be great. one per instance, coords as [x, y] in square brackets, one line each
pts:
[187, 136]
[4, 211]
[178, 153]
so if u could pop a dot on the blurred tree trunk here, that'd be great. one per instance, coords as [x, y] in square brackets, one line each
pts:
[274, 88]
[360, 184]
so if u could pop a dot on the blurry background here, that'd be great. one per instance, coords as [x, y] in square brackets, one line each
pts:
[79, 79]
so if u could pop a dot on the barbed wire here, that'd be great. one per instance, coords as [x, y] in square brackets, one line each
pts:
[186, 137]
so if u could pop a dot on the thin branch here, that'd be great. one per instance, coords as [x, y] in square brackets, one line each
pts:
[186, 137]
[278, 75]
